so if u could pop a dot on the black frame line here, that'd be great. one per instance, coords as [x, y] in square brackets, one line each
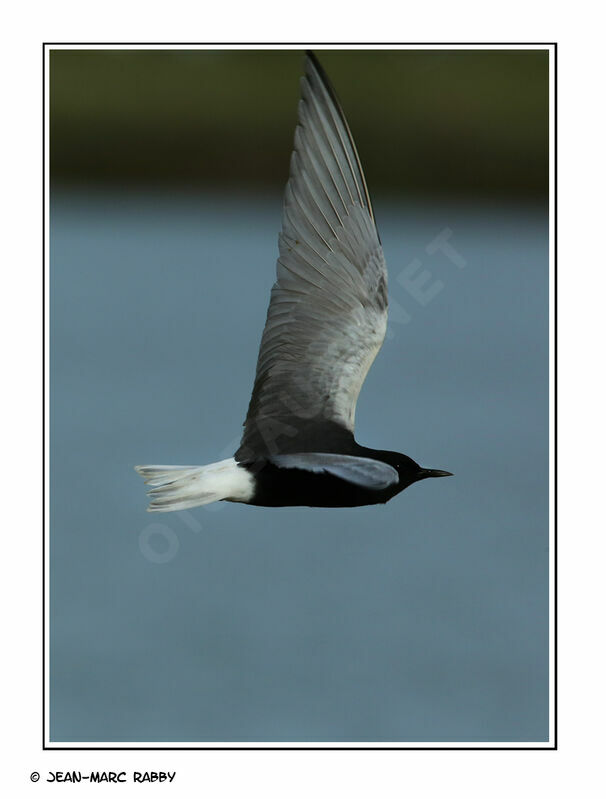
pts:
[553, 508]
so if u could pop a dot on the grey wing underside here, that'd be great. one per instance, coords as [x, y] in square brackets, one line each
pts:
[365, 472]
[328, 310]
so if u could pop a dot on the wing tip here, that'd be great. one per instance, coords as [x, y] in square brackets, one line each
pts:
[314, 68]
[314, 71]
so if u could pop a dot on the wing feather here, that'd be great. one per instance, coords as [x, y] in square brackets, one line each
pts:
[365, 472]
[328, 310]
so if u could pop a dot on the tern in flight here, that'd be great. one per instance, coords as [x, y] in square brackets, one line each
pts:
[325, 324]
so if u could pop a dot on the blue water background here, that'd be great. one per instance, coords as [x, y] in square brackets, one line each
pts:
[422, 620]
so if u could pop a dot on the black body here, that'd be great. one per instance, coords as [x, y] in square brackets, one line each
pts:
[279, 487]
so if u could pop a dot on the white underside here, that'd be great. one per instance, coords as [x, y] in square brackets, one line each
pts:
[181, 487]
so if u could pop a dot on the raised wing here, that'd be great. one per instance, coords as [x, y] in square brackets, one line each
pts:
[328, 309]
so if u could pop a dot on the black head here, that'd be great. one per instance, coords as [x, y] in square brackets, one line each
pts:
[408, 470]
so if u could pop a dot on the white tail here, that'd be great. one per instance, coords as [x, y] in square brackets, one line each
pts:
[181, 487]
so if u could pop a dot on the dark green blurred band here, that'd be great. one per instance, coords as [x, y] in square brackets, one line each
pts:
[427, 122]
